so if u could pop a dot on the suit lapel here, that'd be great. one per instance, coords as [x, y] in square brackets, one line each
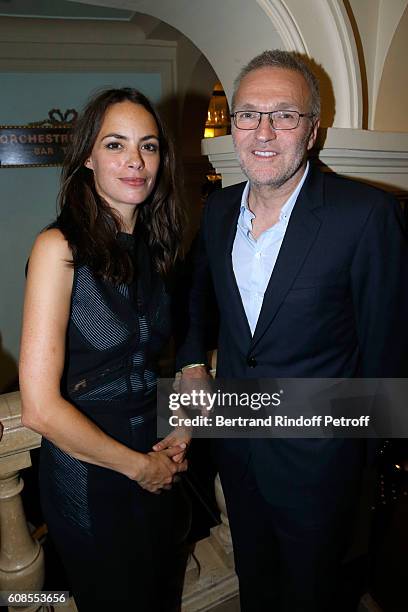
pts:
[300, 235]
[228, 227]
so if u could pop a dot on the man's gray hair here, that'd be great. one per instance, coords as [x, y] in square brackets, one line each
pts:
[277, 58]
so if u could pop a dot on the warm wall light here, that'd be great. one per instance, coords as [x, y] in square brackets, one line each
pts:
[218, 121]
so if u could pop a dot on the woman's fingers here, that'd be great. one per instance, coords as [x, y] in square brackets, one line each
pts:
[179, 458]
[161, 469]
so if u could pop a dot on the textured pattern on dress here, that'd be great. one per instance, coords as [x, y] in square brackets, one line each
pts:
[136, 421]
[110, 391]
[123, 290]
[138, 358]
[136, 381]
[150, 378]
[70, 486]
[99, 325]
[102, 328]
[144, 330]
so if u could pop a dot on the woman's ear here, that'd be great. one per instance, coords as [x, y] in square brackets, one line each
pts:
[89, 164]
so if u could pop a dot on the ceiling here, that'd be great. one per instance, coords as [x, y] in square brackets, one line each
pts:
[60, 9]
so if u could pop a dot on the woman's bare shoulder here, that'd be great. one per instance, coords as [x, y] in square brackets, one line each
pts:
[52, 239]
[53, 242]
[50, 257]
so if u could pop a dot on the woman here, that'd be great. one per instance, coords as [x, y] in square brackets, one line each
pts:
[96, 316]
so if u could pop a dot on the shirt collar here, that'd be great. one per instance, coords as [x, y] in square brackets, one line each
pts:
[288, 206]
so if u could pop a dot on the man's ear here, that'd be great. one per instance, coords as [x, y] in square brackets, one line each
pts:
[88, 163]
[313, 134]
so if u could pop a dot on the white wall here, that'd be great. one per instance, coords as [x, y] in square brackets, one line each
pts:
[392, 98]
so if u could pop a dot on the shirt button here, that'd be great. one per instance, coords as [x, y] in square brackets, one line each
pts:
[258, 255]
[252, 362]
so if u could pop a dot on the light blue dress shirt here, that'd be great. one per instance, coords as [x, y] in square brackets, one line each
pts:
[254, 260]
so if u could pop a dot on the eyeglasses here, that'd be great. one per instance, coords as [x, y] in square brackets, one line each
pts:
[279, 119]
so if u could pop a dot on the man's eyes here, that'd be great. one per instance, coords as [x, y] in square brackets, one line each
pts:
[281, 114]
[249, 115]
[284, 114]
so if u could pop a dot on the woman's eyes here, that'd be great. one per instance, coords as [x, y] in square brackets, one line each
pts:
[151, 147]
[114, 145]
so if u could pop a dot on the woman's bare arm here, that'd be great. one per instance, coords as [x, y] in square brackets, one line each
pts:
[46, 313]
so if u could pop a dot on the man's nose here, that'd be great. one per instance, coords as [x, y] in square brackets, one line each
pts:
[265, 130]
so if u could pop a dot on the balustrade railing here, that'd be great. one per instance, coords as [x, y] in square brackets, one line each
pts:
[21, 557]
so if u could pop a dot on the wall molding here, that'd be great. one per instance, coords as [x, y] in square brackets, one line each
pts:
[380, 158]
[349, 53]
[285, 24]
[56, 46]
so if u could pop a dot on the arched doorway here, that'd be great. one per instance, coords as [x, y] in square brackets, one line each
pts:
[229, 33]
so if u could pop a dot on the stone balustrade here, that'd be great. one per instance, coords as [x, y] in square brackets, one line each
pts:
[21, 557]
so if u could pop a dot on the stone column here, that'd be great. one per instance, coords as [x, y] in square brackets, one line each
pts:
[21, 557]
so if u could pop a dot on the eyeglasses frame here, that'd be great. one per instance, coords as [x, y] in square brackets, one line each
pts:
[270, 113]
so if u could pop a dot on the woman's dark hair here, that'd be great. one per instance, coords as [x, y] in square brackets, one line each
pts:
[90, 225]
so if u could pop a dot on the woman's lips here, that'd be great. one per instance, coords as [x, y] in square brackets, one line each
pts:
[133, 182]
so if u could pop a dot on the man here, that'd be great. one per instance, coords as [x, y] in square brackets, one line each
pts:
[309, 272]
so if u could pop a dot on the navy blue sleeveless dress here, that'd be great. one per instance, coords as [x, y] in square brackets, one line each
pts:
[120, 545]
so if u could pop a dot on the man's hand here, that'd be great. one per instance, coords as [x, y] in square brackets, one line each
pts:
[197, 371]
[181, 436]
[192, 378]
[196, 379]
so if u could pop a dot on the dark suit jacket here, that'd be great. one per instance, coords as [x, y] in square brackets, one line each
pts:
[336, 306]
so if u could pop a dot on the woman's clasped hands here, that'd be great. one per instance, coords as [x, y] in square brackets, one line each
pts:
[158, 469]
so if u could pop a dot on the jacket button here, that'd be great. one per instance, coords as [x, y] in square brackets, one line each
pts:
[252, 362]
